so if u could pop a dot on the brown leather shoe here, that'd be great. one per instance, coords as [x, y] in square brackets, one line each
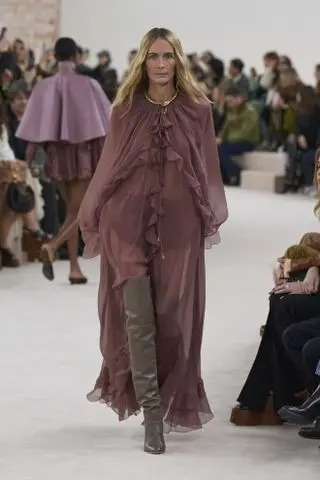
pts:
[243, 417]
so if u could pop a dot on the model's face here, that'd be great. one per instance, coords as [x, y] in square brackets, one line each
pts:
[160, 63]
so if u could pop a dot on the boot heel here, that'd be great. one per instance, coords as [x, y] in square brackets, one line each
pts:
[154, 440]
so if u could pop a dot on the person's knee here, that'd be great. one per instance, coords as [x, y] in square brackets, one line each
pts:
[311, 351]
[289, 337]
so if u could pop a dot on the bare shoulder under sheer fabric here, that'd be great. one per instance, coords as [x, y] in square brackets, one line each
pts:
[156, 198]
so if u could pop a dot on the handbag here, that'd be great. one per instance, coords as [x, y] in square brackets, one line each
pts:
[20, 197]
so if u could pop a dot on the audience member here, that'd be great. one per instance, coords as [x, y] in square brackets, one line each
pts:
[15, 201]
[273, 370]
[304, 142]
[237, 77]
[240, 133]
[106, 75]
[17, 100]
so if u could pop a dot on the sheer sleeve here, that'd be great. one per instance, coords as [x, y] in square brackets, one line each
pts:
[98, 193]
[217, 197]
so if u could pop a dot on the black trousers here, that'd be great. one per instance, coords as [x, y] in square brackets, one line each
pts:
[273, 369]
[302, 342]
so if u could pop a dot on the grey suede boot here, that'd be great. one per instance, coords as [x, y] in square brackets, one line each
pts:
[141, 338]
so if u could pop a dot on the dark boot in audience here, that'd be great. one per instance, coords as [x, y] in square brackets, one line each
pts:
[312, 432]
[304, 415]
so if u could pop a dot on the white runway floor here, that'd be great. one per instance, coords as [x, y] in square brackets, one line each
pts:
[49, 359]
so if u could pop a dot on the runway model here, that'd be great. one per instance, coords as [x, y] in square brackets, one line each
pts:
[154, 201]
[67, 115]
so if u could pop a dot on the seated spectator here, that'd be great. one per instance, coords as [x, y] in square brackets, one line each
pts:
[18, 95]
[240, 134]
[81, 66]
[304, 142]
[268, 81]
[6, 76]
[302, 342]
[23, 59]
[215, 66]
[8, 214]
[47, 65]
[270, 73]
[257, 96]
[195, 67]
[131, 56]
[273, 370]
[303, 345]
[285, 64]
[282, 118]
[237, 78]
[106, 75]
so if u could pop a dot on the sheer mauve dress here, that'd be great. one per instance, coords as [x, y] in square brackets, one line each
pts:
[67, 115]
[155, 200]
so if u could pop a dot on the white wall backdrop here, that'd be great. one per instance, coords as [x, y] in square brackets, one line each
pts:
[229, 28]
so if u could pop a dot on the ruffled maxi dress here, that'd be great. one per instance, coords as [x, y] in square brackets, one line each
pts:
[156, 198]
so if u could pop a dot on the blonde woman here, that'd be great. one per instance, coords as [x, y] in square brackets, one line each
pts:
[154, 201]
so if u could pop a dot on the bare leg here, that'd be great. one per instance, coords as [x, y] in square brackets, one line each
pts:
[76, 192]
[72, 193]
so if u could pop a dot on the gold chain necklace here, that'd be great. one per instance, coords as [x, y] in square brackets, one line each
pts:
[161, 104]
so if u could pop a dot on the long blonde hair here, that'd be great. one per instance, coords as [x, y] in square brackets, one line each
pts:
[137, 78]
[316, 168]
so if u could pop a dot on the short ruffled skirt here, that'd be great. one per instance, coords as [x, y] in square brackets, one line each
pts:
[67, 162]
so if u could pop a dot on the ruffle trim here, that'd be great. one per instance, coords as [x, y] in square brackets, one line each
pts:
[163, 154]
[192, 415]
[156, 156]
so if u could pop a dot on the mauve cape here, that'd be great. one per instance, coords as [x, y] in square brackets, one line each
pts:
[155, 198]
[66, 107]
